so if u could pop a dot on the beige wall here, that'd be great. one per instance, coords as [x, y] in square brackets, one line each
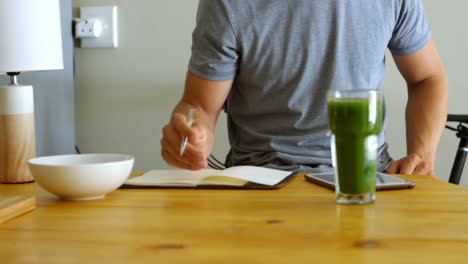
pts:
[124, 96]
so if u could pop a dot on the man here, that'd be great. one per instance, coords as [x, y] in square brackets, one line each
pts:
[270, 63]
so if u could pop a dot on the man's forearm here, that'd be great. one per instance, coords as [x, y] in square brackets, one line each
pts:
[426, 111]
[207, 96]
[426, 114]
[207, 99]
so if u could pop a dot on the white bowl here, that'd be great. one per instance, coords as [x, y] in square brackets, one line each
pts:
[81, 176]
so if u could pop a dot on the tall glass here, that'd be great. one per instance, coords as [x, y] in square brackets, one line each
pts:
[355, 119]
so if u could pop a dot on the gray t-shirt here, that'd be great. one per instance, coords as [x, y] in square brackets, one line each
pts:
[285, 55]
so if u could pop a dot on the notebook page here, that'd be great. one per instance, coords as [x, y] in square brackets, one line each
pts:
[256, 174]
[171, 177]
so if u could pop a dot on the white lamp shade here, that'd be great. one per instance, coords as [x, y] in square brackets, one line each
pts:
[30, 35]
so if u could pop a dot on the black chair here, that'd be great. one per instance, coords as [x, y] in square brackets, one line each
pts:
[460, 158]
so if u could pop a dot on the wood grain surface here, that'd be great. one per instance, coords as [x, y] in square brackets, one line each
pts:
[17, 146]
[12, 206]
[299, 223]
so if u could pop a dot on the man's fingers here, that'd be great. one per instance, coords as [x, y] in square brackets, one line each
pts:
[197, 135]
[171, 137]
[423, 169]
[409, 164]
[180, 124]
[412, 164]
[393, 167]
[179, 128]
[192, 157]
[407, 168]
[195, 156]
[193, 132]
[173, 154]
[173, 161]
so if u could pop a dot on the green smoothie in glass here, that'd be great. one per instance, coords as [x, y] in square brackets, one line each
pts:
[355, 119]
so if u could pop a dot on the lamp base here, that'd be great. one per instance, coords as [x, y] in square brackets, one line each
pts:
[17, 137]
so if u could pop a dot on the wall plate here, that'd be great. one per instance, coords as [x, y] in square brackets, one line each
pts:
[108, 16]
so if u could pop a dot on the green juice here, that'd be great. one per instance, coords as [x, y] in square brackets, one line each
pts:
[355, 123]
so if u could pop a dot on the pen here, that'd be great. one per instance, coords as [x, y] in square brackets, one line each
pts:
[183, 144]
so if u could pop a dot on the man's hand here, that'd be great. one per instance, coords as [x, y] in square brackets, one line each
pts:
[199, 144]
[412, 164]
[207, 98]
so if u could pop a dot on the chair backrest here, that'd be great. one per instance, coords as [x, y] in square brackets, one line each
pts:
[462, 151]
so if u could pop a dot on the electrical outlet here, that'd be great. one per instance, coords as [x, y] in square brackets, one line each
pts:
[107, 17]
[88, 28]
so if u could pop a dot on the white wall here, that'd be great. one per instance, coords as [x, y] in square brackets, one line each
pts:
[124, 96]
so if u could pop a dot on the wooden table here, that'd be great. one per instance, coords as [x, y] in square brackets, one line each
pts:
[299, 223]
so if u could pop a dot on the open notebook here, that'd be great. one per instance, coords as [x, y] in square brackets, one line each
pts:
[242, 177]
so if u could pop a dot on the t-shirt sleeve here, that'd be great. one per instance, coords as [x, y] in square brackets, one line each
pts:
[214, 46]
[412, 31]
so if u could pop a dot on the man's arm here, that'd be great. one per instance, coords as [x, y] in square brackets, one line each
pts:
[207, 98]
[426, 109]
